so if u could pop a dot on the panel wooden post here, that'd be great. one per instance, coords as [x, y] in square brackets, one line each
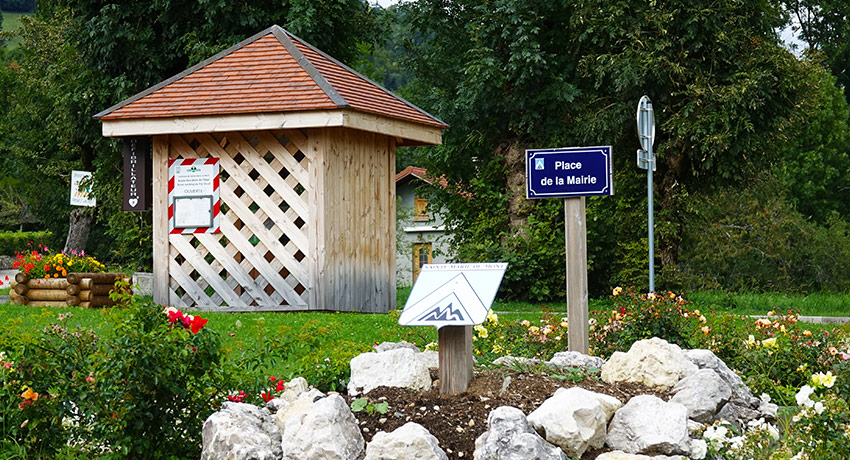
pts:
[455, 358]
[161, 246]
[576, 247]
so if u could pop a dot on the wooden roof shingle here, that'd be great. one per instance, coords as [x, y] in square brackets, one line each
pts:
[272, 72]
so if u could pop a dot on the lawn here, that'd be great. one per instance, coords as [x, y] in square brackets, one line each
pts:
[12, 21]
[759, 304]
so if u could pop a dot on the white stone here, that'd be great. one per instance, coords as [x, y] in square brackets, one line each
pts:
[514, 361]
[610, 404]
[240, 431]
[743, 406]
[573, 419]
[297, 408]
[410, 441]
[431, 358]
[652, 362]
[620, 455]
[703, 394]
[509, 436]
[394, 368]
[575, 359]
[387, 346]
[328, 432]
[648, 425]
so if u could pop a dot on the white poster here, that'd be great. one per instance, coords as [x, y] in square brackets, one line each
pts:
[81, 185]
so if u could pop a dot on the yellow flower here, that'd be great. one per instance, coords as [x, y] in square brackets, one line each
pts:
[705, 330]
[564, 324]
[751, 340]
[492, 317]
[651, 296]
[807, 333]
[771, 342]
[826, 380]
[617, 291]
[696, 312]
[481, 331]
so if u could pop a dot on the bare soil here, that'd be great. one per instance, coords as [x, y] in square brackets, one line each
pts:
[457, 420]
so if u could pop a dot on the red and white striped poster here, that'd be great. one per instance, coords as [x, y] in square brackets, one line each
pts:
[193, 196]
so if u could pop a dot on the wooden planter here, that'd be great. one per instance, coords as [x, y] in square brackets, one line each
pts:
[78, 289]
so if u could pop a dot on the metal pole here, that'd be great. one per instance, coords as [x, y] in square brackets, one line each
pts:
[651, 223]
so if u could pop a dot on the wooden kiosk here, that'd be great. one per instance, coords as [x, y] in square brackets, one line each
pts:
[304, 213]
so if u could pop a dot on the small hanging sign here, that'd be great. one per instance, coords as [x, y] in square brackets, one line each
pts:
[137, 174]
[81, 184]
[193, 195]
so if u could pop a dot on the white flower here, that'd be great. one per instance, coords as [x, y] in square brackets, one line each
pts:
[799, 456]
[819, 407]
[803, 396]
[774, 432]
[699, 449]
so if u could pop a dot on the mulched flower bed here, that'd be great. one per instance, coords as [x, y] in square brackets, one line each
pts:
[457, 420]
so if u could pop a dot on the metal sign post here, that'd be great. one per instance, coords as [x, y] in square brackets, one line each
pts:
[572, 174]
[646, 160]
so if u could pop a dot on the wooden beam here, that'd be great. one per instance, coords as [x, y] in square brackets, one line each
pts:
[160, 220]
[576, 247]
[409, 132]
[455, 343]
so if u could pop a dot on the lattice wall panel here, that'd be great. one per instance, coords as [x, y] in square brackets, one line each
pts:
[260, 260]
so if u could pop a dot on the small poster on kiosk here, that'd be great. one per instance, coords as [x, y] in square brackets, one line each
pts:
[193, 195]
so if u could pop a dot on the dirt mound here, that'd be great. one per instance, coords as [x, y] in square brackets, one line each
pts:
[457, 420]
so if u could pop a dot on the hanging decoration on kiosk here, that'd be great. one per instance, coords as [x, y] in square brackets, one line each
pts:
[193, 196]
[137, 174]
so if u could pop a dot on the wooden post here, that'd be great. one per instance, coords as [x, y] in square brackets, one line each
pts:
[455, 358]
[576, 247]
[161, 246]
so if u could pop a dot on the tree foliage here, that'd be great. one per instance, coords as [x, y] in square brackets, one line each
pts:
[80, 57]
[550, 74]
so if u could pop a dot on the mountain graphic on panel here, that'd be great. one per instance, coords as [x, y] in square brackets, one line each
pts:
[444, 313]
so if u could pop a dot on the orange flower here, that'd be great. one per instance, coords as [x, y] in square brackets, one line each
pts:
[29, 394]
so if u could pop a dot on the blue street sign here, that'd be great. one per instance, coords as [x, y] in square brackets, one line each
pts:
[568, 172]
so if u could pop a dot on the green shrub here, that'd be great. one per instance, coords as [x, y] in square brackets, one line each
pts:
[11, 242]
[541, 339]
[636, 317]
[141, 391]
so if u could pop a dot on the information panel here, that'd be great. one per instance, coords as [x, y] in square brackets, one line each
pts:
[452, 294]
[568, 172]
[193, 195]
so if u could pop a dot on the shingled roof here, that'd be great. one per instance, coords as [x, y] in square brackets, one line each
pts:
[272, 72]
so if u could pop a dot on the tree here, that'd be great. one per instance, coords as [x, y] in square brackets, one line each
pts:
[823, 25]
[79, 57]
[508, 74]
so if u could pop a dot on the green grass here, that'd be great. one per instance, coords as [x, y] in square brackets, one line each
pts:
[5, 291]
[760, 304]
[11, 21]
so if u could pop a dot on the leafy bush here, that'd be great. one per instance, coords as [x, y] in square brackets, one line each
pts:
[495, 338]
[636, 317]
[14, 242]
[142, 391]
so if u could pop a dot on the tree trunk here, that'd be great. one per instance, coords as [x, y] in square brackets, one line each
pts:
[671, 210]
[518, 206]
[78, 232]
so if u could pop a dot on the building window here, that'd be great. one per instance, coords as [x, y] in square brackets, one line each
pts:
[420, 209]
[421, 256]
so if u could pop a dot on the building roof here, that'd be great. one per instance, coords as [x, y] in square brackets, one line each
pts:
[272, 72]
[413, 171]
